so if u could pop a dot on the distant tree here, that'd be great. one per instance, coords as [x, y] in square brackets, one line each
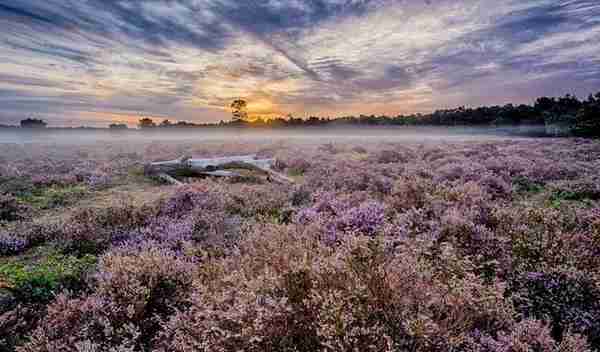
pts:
[33, 123]
[544, 104]
[166, 123]
[117, 126]
[587, 119]
[146, 123]
[239, 110]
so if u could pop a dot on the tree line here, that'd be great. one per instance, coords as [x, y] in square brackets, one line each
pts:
[567, 115]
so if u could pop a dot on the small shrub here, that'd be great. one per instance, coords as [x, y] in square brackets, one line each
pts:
[575, 190]
[92, 230]
[528, 335]
[410, 192]
[390, 156]
[568, 300]
[16, 324]
[147, 281]
[11, 244]
[55, 196]
[298, 166]
[39, 283]
[91, 323]
[523, 184]
[16, 186]
[191, 197]
[28, 234]
[300, 196]
[10, 208]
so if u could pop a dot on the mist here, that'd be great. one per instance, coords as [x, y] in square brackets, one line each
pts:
[308, 135]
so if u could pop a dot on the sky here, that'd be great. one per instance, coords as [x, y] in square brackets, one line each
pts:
[95, 62]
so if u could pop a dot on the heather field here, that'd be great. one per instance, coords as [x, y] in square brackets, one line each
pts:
[379, 245]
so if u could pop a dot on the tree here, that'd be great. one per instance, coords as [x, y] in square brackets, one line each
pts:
[146, 123]
[239, 110]
[117, 126]
[166, 123]
[33, 123]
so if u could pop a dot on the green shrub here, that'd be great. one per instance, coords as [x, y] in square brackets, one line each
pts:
[525, 185]
[18, 187]
[55, 196]
[39, 283]
[10, 208]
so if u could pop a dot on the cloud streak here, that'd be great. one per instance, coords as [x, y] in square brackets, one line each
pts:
[88, 62]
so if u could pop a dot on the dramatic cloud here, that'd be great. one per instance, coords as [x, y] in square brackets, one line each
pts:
[91, 62]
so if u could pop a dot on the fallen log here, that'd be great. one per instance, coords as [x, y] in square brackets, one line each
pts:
[186, 166]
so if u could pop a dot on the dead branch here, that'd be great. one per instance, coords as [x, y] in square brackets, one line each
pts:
[213, 167]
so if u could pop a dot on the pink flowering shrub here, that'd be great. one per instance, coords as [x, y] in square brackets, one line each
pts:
[463, 246]
[528, 335]
[26, 235]
[354, 296]
[92, 230]
[567, 299]
[133, 290]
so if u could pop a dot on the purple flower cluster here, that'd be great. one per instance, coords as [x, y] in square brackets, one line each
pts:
[365, 219]
[11, 244]
[189, 197]
[339, 217]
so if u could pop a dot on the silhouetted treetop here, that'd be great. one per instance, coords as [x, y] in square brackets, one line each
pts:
[33, 123]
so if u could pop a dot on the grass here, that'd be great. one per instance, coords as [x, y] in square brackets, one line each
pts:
[55, 196]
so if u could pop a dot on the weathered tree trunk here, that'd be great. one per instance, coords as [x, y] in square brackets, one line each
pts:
[212, 167]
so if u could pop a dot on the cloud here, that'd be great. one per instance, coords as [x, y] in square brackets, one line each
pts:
[188, 59]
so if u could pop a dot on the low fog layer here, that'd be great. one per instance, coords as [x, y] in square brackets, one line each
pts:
[354, 134]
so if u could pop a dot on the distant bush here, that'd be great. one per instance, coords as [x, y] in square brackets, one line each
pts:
[117, 126]
[33, 123]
